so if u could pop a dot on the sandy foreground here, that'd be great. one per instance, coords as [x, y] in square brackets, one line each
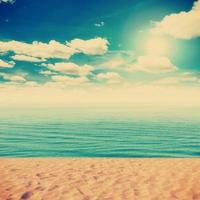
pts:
[99, 179]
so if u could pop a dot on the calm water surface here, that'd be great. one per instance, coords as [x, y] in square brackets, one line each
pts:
[100, 132]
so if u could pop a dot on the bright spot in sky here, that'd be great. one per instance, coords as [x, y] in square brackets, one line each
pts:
[157, 45]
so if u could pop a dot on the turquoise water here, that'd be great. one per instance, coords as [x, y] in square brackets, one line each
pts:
[100, 132]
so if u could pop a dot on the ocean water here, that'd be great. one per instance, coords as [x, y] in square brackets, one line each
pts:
[90, 131]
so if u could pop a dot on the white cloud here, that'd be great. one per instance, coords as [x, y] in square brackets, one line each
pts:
[47, 72]
[152, 95]
[152, 64]
[33, 51]
[31, 84]
[100, 24]
[13, 78]
[188, 77]
[44, 65]
[97, 46]
[177, 79]
[110, 77]
[6, 64]
[53, 49]
[7, 1]
[116, 59]
[71, 68]
[63, 81]
[27, 58]
[114, 63]
[183, 25]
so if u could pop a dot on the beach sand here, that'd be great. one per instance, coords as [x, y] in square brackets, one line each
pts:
[99, 179]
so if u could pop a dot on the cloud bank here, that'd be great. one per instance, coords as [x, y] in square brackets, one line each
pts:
[152, 64]
[70, 68]
[39, 50]
[183, 25]
[97, 46]
[27, 58]
[4, 64]
[12, 78]
[109, 77]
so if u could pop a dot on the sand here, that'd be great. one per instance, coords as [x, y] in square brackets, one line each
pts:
[99, 179]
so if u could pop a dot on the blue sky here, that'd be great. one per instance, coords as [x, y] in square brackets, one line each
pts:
[103, 45]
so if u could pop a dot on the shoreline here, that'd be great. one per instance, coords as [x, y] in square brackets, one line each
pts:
[99, 178]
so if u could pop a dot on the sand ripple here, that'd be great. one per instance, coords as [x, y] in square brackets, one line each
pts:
[100, 179]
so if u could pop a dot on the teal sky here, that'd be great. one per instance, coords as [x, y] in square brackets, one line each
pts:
[110, 44]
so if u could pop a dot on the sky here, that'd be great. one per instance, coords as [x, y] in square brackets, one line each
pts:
[108, 51]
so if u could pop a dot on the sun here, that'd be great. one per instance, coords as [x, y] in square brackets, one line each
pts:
[157, 45]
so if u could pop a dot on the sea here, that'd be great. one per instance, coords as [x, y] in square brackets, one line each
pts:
[125, 131]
